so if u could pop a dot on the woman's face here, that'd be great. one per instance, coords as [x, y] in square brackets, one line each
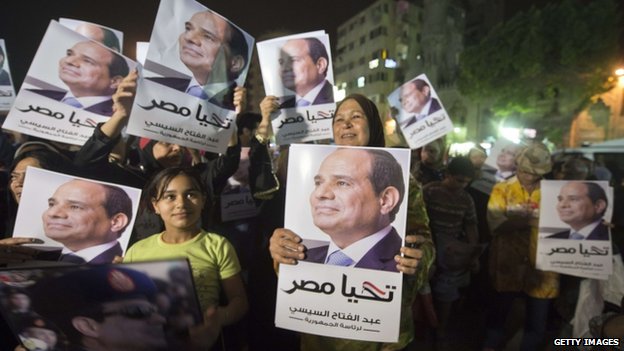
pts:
[351, 125]
[17, 176]
[527, 179]
[167, 155]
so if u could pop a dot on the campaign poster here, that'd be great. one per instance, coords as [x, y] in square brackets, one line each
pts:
[298, 70]
[111, 38]
[421, 115]
[91, 221]
[68, 89]
[574, 233]
[7, 92]
[195, 60]
[502, 158]
[352, 220]
[147, 305]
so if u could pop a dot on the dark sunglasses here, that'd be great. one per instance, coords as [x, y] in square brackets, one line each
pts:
[133, 311]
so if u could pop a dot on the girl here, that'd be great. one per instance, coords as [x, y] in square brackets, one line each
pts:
[177, 196]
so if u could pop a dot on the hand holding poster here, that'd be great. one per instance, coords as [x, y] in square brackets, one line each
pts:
[91, 221]
[422, 118]
[64, 100]
[198, 60]
[573, 236]
[297, 70]
[7, 92]
[348, 285]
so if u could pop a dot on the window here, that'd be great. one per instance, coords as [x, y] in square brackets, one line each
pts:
[361, 81]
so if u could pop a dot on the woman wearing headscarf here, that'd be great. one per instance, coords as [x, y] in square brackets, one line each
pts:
[357, 123]
[513, 216]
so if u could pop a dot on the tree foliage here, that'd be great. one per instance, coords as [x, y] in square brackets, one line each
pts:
[551, 58]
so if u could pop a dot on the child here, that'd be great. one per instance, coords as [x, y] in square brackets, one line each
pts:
[177, 196]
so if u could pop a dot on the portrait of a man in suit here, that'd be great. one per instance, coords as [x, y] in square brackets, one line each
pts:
[216, 53]
[417, 102]
[92, 74]
[303, 65]
[356, 197]
[87, 218]
[581, 205]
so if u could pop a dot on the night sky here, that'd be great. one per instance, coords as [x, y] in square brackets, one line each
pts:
[23, 22]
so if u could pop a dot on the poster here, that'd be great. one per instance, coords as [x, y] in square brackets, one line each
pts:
[574, 238]
[331, 204]
[111, 38]
[89, 220]
[68, 89]
[137, 306]
[298, 70]
[195, 60]
[7, 91]
[421, 117]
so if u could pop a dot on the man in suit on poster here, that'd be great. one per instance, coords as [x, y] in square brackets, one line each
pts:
[581, 205]
[88, 218]
[303, 70]
[417, 102]
[356, 198]
[92, 74]
[216, 53]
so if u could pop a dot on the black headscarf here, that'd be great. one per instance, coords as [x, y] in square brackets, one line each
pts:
[376, 136]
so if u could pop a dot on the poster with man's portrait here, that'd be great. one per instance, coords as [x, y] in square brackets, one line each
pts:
[297, 69]
[349, 205]
[90, 221]
[7, 92]
[111, 38]
[195, 60]
[421, 115]
[132, 306]
[574, 232]
[68, 89]
[502, 158]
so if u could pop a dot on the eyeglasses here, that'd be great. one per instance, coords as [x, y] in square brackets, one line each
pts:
[133, 311]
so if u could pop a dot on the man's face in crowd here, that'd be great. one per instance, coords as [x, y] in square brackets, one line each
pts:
[131, 325]
[298, 71]
[85, 70]
[203, 44]
[412, 99]
[506, 160]
[344, 204]
[477, 159]
[574, 206]
[76, 216]
[431, 154]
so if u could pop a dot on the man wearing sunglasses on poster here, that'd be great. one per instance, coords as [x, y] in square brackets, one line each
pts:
[103, 308]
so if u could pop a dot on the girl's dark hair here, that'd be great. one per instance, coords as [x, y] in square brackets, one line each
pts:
[158, 184]
[376, 137]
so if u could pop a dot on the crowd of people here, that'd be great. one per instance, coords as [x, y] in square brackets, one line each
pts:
[471, 231]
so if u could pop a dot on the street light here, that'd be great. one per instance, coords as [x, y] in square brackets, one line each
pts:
[620, 75]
